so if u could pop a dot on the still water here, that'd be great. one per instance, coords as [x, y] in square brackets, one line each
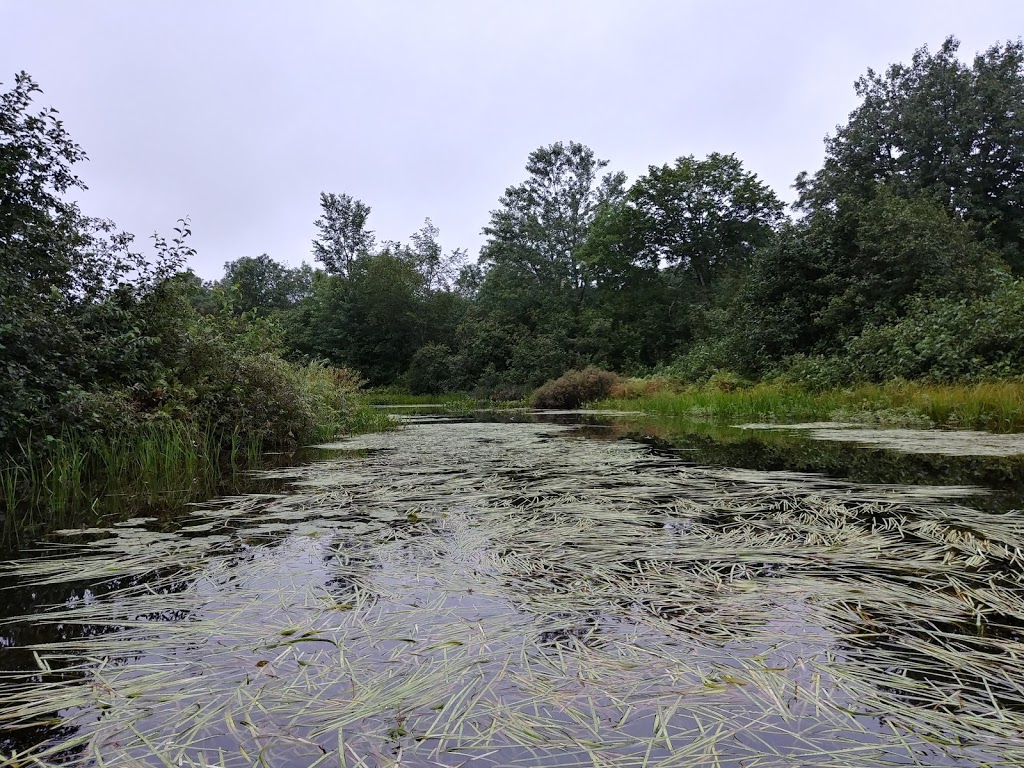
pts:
[511, 589]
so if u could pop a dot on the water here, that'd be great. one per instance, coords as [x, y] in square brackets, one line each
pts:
[502, 591]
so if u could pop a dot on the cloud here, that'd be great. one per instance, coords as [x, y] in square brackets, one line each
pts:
[239, 114]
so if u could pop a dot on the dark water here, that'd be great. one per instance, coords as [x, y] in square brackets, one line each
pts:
[505, 589]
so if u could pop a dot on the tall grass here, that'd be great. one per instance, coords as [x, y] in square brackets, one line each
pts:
[159, 465]
[404, 398]
[995, 406]
[366, 418]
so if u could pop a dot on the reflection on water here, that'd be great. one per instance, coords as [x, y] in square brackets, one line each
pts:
[470, 593]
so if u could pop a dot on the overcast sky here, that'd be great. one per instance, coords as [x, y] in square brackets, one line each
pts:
[239, 113]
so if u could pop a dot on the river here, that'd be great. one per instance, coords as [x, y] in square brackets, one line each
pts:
[515, 589]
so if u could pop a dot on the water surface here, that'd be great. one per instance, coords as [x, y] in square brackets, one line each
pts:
[501, 591]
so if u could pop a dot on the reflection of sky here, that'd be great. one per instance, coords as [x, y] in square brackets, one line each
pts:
[485, 594]
[926, 441]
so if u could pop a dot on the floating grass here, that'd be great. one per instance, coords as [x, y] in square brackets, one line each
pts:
[506, 594]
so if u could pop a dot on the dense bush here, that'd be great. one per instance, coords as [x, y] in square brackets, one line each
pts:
[432, 370]
[948, 339]
[574, 388]
[100, 341]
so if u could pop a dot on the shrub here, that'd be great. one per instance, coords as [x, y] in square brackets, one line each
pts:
[815, 372]
[948, 339]
[727, 381]
[631, 389]
[574, 388]
[430, 372]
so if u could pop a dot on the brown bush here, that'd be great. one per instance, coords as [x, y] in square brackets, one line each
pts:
[574, 388]
[656, 385]
[621, 390]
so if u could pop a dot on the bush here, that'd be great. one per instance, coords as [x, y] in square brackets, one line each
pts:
[430, 372]
[631, 389]
[574, 388]
[815, 372]
[948, 339]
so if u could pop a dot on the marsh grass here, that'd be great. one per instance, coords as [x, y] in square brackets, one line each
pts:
[404, 398]
[160, 465]
[506, 594]
[997, 406]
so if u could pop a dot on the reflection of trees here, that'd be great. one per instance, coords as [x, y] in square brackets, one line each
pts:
[776, 453]
[18, 665]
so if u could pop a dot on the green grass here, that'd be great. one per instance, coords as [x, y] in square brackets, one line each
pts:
[365, 418]
[404, 398]
[997, 406]
[161, 465]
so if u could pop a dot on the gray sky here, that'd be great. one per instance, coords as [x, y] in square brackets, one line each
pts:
[239, 113]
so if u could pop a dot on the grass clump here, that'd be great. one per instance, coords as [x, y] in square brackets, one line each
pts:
[574, 388]
[994, 406]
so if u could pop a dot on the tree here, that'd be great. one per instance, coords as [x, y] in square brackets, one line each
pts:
[64, 298]
[828, 277]
[262, 284]
[541, 224]
[942, 129]
[439, 271]
[702, 216]
[343, 233]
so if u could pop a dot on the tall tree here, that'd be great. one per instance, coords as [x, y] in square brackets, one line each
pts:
[941, 128]
[439, 271]
[702, 216]
[542, 223]
[264, 284]
[343, 233]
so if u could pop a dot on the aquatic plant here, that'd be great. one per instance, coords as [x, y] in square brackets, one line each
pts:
[507, 594]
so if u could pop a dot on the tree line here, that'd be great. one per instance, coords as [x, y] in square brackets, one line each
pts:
[902, 257]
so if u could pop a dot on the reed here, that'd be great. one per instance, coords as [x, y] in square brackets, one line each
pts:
[514, 593]
[995, 406]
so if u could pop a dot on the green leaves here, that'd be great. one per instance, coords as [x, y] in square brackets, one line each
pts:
[940, 129]
[702, 216]
[343, 236]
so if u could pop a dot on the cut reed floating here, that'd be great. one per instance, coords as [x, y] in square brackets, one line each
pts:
[467, 594]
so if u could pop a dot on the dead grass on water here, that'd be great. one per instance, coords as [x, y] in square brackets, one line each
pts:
[480, 594]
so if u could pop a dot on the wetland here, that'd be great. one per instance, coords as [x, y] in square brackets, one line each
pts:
[557, 589]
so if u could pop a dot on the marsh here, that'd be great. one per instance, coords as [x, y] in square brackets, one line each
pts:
[503, 589]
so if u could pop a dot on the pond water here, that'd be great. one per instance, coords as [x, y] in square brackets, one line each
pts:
[514, 590]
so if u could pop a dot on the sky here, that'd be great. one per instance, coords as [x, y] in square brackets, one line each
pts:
[239, 113]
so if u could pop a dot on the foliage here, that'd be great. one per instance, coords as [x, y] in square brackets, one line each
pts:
[541, 224]
[574, 388]
[430, 371]
[941, 129]
[106, 351]
[343, 233]
[947, 339]
[703, 217]
[260, 284]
